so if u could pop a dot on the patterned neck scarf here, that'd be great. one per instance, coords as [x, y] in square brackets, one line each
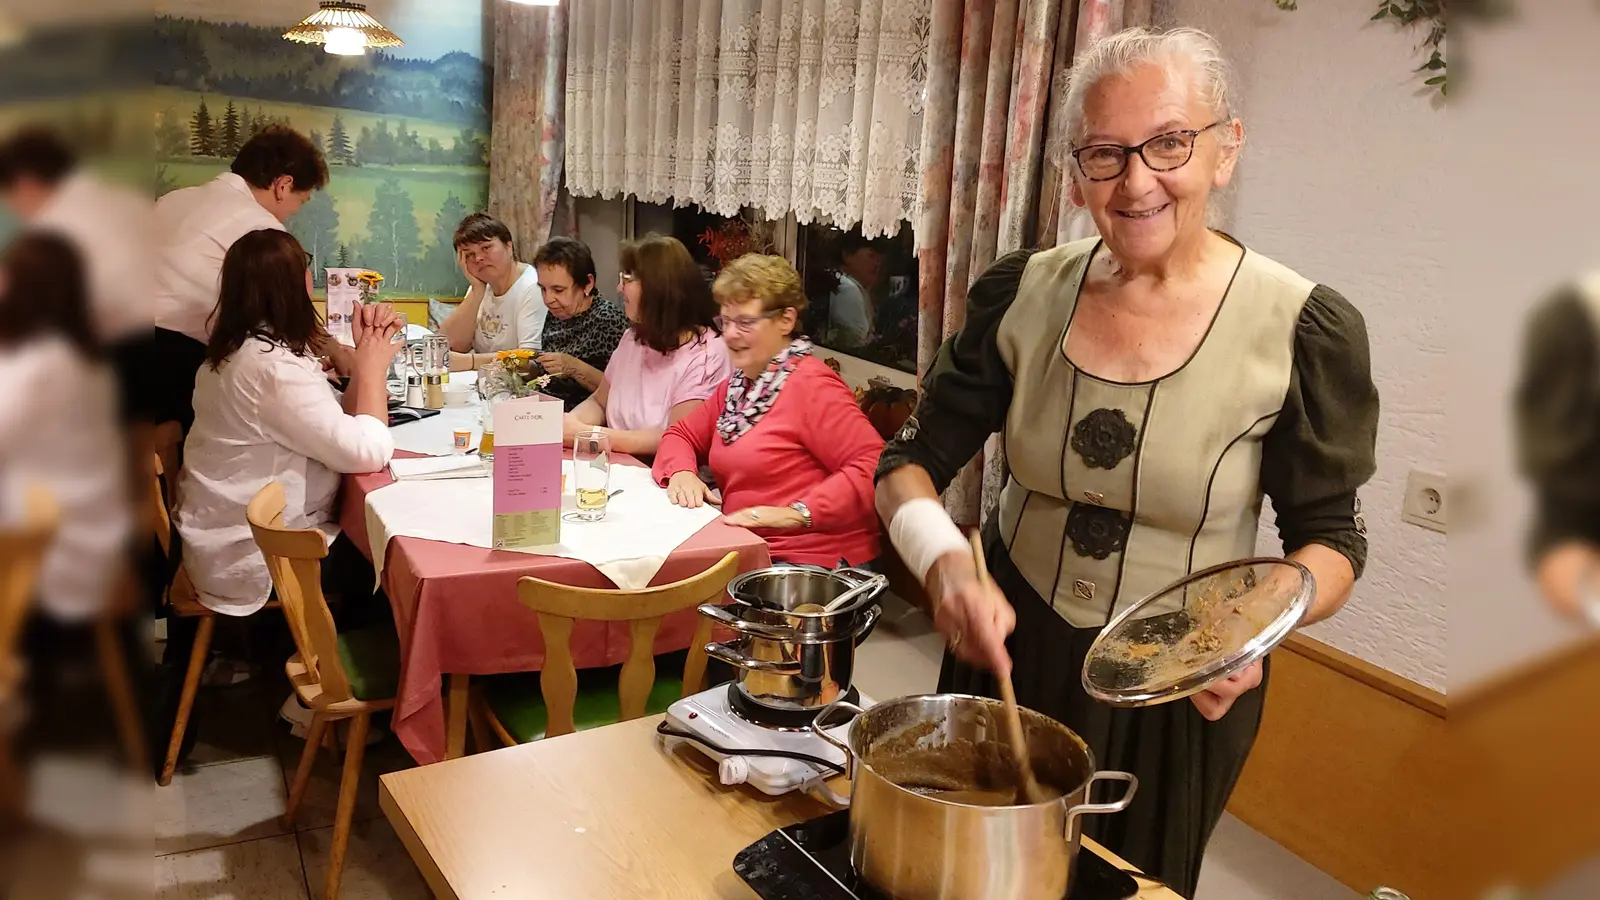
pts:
[748, 402]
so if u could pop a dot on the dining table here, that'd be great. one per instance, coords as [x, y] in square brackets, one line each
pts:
[608, 812]
[456, 610]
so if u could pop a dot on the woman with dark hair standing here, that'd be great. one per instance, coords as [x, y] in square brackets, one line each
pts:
[265, 411]
[671, 358]
[58, 426]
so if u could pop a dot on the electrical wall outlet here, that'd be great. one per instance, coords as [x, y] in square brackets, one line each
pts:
[1426, 502]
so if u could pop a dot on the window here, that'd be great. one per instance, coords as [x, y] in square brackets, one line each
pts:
[863, 293]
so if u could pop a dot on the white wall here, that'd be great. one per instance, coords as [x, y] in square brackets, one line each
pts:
[1343, 164]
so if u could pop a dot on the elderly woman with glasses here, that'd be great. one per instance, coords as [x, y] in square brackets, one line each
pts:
[1151, 385]
[791, 451]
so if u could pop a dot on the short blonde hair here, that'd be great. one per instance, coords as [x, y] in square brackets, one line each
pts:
[770, 279]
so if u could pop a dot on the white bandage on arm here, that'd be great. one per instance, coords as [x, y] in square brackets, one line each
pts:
[922, 532]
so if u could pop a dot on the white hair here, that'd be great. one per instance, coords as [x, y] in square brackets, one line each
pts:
[1181, 52]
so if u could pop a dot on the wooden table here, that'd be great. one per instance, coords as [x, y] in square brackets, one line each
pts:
[601, 813]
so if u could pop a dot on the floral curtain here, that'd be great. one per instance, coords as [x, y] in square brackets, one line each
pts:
[989, 76]
[525, 142]
[809, 106]
[994, 70]
[1096, 19]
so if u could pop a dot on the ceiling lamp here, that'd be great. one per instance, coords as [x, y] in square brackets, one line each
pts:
[344, 29]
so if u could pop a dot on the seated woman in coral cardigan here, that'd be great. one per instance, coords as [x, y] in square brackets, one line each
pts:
[792, 453]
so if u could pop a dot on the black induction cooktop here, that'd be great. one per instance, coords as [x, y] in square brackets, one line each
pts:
[811, 861]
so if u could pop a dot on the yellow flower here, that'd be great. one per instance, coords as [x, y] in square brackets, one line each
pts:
[521, 353]
[370, 277]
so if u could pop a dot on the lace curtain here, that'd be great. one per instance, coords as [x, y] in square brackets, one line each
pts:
[809, 106]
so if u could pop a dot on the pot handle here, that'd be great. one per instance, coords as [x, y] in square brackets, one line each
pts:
[1117, 805]
[770, 632]
[733, 657]
[858, 577]
[869, 619]
[820, 730]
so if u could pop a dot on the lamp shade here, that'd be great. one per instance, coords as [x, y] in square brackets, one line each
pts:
[346, 29]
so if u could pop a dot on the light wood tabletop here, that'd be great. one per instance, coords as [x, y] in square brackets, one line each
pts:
[601, 813]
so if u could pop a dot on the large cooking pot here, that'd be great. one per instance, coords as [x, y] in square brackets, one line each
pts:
[788, 654]
[912, 845]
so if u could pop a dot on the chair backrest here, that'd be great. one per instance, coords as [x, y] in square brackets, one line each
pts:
[166, 440]
[559, 605]
[22, 550]
[294, 559]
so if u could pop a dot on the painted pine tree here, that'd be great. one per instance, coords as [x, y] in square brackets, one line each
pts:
[230, 137]
[202, 134]
[339, 149]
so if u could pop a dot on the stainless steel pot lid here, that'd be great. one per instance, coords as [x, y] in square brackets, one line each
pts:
[1197, 631]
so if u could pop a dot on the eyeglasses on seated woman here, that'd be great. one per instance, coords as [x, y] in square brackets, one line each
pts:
[792, 452]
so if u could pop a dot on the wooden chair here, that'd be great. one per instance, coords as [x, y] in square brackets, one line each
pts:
[179, 598]
[22, 553]
[338, 677]
[636, 687]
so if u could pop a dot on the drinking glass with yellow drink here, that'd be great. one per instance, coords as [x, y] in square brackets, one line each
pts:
[591, 473]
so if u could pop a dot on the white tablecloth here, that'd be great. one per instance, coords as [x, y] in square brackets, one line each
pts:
[433, 436]
[629, 545]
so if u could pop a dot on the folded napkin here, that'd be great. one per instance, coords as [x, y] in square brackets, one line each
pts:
[431, 468]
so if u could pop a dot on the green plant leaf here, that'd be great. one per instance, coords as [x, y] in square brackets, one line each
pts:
[1382, 11]
[1437, 79]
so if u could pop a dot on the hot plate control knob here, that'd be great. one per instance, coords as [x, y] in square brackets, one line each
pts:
[733, 770]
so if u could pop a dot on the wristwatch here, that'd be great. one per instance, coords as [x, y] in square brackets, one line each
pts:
[803, 510]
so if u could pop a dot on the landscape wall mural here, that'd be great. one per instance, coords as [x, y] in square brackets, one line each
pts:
[405, 133]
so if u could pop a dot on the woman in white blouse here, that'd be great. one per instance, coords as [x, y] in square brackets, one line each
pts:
[265, 411]
[58, 425]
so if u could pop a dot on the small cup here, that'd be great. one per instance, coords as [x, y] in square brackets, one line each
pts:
[461, 439]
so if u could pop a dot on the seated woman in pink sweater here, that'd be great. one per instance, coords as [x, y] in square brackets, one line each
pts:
[670, 359]
[792, 453]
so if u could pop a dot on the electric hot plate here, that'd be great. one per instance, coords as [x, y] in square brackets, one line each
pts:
[811, 861]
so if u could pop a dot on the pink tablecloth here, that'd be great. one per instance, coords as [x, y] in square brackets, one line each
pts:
[456, 610]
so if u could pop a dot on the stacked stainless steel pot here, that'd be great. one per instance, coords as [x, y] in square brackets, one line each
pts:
[789, 655]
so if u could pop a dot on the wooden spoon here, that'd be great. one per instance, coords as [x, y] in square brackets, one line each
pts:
[1029, 789]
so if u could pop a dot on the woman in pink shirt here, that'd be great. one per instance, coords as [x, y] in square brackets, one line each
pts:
[791, 450]
[671, 358]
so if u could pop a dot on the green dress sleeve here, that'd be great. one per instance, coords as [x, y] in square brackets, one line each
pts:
[1324, 443]
[967, 390]
[1557, 408]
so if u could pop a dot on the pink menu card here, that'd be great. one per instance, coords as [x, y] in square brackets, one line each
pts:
[527, 473]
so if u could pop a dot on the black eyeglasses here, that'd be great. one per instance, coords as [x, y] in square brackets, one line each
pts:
[1162, 153]
[310, 260]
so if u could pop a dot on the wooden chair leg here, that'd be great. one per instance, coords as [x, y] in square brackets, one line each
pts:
[349, 786]
[482, 738]
[11, 787]
[302, 772]
[191, 684]
[119, 684]
[455, 735]
[330, 739]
